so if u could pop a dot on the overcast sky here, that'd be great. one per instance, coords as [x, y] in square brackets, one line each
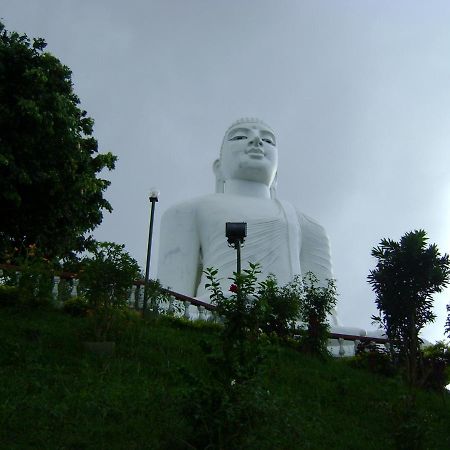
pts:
[358, 93]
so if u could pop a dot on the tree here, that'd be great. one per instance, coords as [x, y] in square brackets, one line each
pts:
[49, 191]
[406, 276]
[447, 324]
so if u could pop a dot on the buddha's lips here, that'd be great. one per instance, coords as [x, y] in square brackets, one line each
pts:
[256, 153]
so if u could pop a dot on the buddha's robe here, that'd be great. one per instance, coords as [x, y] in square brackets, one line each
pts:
[284, 242]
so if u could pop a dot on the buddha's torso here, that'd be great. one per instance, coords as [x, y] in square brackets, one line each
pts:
[267, 241]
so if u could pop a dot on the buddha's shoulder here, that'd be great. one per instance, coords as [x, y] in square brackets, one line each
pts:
[308, 224]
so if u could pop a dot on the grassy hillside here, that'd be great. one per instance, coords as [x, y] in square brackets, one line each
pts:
[56, 395]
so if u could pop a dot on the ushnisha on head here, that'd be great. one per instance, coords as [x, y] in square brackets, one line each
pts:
[248, 153]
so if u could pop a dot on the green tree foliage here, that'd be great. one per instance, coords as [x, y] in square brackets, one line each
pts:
[406, 276]
[224, 409]
[436, 362]
[317, 302]
[235, 401]
[252, 307]
[242, 313]
[49, 191]
[447, 324]
[106, 276]
[282, 306]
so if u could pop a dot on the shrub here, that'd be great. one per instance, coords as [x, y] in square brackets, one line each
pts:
[436, 366]
[373, 358]
[223, 409]
[33, 278]
[282, 307]
[105, 279]
[76, 306]
[243, 312]
[317, 302]
[9, 295]
[156, 296]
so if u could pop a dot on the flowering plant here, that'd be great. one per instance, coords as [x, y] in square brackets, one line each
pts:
[242, 313]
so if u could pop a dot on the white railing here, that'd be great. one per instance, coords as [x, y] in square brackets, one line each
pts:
[192, 309]
[73, 282]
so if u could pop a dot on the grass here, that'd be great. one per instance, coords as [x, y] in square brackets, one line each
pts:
[56, 395]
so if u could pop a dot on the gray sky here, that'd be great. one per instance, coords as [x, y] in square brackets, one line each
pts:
[357, 91]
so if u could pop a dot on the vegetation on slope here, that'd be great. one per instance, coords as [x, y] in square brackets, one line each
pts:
[56, 395]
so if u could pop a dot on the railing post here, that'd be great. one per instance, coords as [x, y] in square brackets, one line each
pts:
[216, 318]
[132, 296]
[55, 288]
[186, 309]
[357, 342]
[341, 347]
[141, 296]
[201, 313]
[74, 291]
[170, 309]
[136, 297]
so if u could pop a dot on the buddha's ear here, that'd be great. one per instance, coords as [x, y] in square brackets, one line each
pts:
[217, 168]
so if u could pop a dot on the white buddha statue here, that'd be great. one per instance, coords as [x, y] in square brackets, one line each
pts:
[283, 240]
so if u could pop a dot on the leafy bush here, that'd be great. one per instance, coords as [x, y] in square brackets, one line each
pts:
[317, 302]
[243, 313]
[223, 409]
[76, 306]
[436, 366]
[33, 278]
[107, 274]
[235, 401]
[157, 296]
[105, 279]
[282, 306]
[373, 358]
[9, 295]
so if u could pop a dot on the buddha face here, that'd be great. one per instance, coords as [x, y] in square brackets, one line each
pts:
[249, 152]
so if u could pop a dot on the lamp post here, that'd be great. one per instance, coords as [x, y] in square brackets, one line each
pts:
[236, 233]
[153, 197]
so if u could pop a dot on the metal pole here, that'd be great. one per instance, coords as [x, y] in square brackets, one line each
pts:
[238, 256]
[153, 200]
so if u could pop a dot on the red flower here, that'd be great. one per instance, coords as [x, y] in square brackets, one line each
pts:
[234, 288]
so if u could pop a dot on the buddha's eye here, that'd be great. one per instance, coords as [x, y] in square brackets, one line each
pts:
[238, 137]
[268, 140]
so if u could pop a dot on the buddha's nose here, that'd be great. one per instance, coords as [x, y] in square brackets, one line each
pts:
[256, 141]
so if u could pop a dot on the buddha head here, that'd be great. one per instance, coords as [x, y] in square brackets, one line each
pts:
[249, 152]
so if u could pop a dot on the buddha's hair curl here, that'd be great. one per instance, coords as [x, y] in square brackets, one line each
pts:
[248, 120]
